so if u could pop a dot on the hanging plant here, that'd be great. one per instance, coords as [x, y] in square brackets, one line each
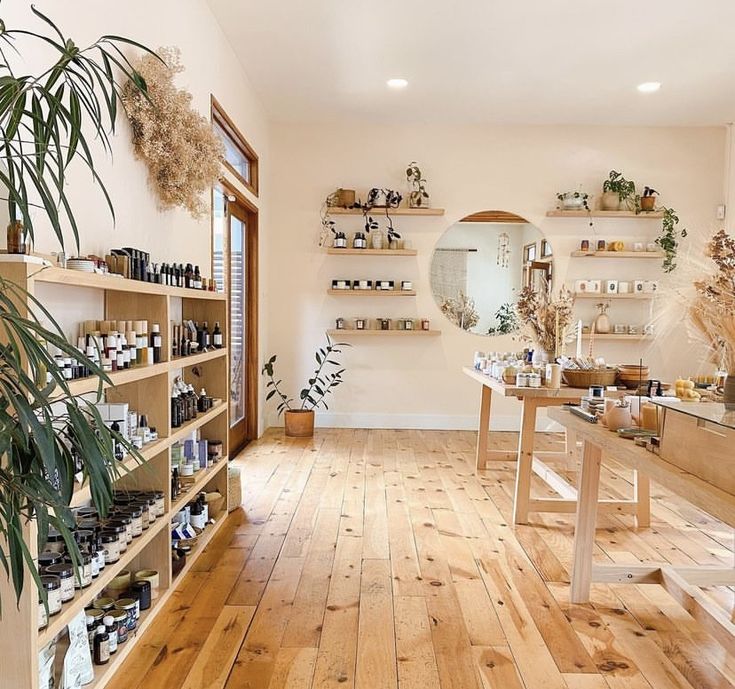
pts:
[182, 152]
[669, 238]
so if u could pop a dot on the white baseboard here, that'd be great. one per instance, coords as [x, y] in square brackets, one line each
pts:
[433, 422]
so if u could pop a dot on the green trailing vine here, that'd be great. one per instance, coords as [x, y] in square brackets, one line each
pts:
[669, 238]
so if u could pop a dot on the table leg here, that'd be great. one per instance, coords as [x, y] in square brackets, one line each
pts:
[525, 461]
[642, 497]
[584, 530]
[484, 427]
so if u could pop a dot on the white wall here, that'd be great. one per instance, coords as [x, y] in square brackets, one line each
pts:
[417, 382]
[211, 68]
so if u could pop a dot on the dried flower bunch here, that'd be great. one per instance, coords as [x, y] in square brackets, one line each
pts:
[713, 311]
[182, 152]
[547, 321]
[461, 311]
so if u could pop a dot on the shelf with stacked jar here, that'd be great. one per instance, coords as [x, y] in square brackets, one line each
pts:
[182, 459]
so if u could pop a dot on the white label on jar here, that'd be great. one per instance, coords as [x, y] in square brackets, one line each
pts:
[217, 340]
[42, 616]
[67, 589]
[54, 601]
[85, 574]
[137, 526]
[95, 566]
[160, 506]
[122, 543]
[156, 340]
[112, 552]
[129, 532]
[101, 559]
[197, 521]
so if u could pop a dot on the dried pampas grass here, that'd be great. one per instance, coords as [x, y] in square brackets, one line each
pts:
[712, 312]
[182, 152]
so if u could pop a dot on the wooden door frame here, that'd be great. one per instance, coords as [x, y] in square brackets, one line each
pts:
[250, 314]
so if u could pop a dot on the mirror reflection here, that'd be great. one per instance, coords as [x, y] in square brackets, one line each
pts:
[479, 266]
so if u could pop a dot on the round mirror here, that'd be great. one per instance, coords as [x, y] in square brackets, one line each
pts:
[481, 264]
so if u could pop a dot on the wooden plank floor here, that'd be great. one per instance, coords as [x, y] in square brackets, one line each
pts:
[377, 559]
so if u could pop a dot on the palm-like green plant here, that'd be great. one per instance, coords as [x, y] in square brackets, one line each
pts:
[43, 427]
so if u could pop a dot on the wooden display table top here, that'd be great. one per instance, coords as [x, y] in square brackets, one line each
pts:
[563, 393]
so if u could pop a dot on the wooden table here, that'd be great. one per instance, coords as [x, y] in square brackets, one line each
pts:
[530, 462]
[681, 582]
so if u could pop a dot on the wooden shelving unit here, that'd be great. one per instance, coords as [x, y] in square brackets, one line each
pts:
[147, 389]
[402, 210]
[646, 296]
[621, 215]
[371, 292]
[387, 333]
[371, 252]
[617, 254]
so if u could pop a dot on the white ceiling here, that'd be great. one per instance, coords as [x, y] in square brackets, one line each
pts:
[488, 61]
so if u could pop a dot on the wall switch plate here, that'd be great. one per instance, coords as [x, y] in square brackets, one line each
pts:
[721, 211]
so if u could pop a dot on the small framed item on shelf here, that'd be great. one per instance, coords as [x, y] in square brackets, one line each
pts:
[340, 284]
[384, 323]
[361, 323]
[623, 287]
[620, 329]
[406, 285]
[611, 286]
[362, 284]
[340, 323]
[594, 286]
[650, 286]
[384, 285]
[639, 286]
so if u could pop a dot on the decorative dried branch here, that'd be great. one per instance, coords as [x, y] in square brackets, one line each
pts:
[182, 152]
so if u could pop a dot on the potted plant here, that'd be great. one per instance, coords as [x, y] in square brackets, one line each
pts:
[383, 198]
[327, 376]
[669, 238]
[418, 197]
[616, 190]
[507, 320]
[547, 321]
[575, 201]
[646, 202]
[44, 429]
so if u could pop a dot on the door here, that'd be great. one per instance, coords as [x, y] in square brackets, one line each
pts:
[235, 270]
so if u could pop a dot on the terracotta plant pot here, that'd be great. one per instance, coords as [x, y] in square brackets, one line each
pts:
[299, 423]
[610, 201]
[648, 203]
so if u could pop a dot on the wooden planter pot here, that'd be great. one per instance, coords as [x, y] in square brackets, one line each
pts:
[299, 423]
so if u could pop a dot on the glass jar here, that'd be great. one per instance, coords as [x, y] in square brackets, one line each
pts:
[118, 528]
[121, 620]
[129, 606]
[52, 586]
[84, 578]
[55, 541]
[111, 544]
[65, 573]
[135, 512]
[104, 604]
[144, 514]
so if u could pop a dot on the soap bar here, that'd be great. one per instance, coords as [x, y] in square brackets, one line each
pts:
[649, 417]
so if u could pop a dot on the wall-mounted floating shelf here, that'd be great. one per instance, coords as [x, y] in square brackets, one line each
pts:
[392, 211]
[371, 252]
[401, 333]
[622, 338]
[636, 297]
[651, 215]
[617, 254]
[371, 292]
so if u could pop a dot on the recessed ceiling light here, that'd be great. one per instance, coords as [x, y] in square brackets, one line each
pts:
[649, 86]
[397, 83]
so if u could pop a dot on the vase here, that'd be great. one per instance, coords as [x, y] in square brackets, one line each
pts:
[729, 392]
[618, 417]
[570, 202]
[17, 238]
[417, 200]
[540, 357]
[602, 322]
[376, 239]
[610, 201]
[299, 423]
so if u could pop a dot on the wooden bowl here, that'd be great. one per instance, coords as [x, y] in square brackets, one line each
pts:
[583, 379]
